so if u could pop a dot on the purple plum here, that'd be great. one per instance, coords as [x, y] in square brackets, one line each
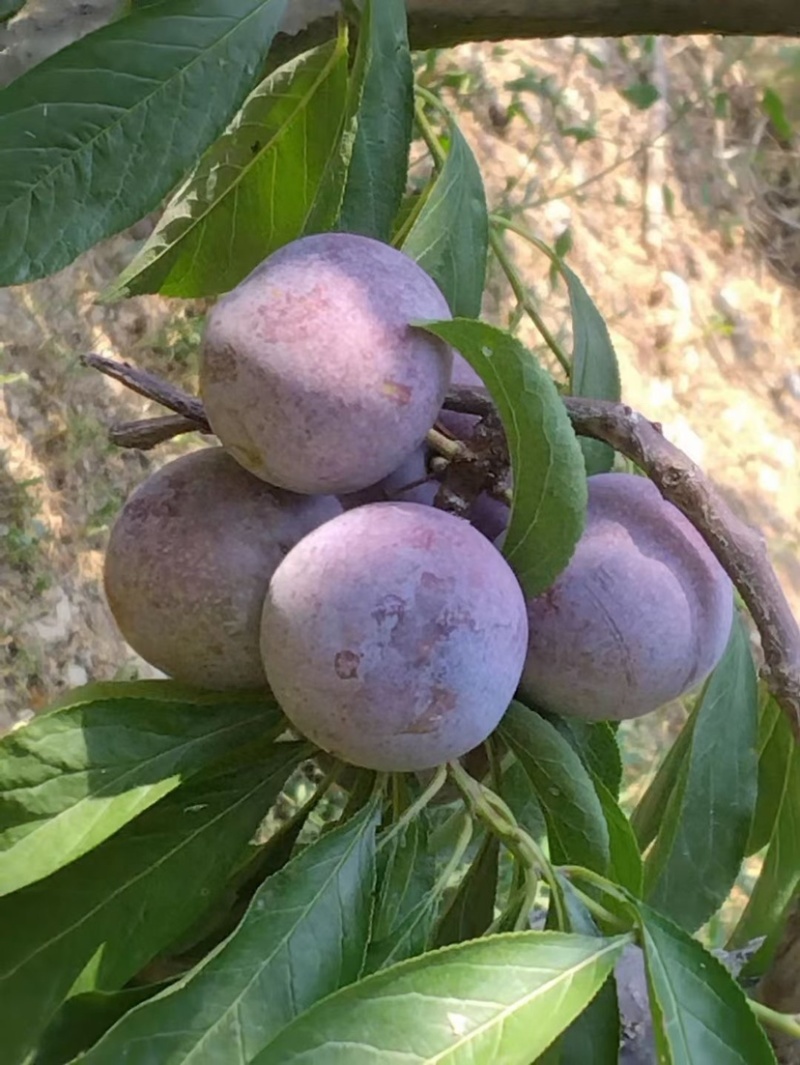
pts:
[394, 636]
[311, 375]
[640, 616]
[189, 560]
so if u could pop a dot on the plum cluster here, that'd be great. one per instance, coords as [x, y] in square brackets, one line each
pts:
[305, 552]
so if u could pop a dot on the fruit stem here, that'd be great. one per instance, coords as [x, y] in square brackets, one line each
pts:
[524, 300]
[599, 911]
[499, 819]
[456, 858]
[416, 807]
[788, 1023]
[425, 128]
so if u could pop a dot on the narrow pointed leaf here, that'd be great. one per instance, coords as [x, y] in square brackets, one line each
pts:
[84, 1019]
[593, 1037]
[503, 998]
[450, 237]
[698, 852]
[625, 864]
[700, 1013]
[775, 751]
[303, 937]
[549, 508]
[595, 371]
[576, 826]
[406, 876]
[779, 880]
[9, 8]
[254, 189]
[471, 909]
[122, 903]
[651, 808]
[407, 939]
[72, 778]
[596, 744]
[376, 178]
[95, 136]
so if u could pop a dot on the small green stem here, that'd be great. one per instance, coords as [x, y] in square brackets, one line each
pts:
[429, 134]
[491, 809]
[456, 858]
[788, 1023]
[591, 877]
[600, 911]
[416, 807]
[524, 299]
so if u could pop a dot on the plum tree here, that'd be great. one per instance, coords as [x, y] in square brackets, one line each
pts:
[641, 614]
[311, 375]
[188, 563]
[394, 636]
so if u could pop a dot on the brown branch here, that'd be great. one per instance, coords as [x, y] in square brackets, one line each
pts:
[147, 433]
[151, 387]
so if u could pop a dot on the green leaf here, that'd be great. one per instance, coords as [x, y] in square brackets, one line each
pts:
[775, 751]
[549, 507]
[519, 794]
[9, 8]
[407, 939]
[642, 95]
[576, 826]
[775, 110]
[595, 370]
[625, 865]
[650, 810]
[593, 1038]
[450, 237]
[254, 189]
[72, 778]
[376, 178]
[101, 131]
[304, 936]
[779, 880]
[498, 999]
[470, 911]
[405, 877]
[111, 911]
[82, 1020]
[596, 744]
[698, 852]
[700, 1013]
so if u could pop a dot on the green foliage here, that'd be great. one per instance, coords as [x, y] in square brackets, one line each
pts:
[703, 833]
[549, 505]
[577, 831]
[778, 884]
[376, 177]
[503, 998]
[9, 8]
[594, 370]
[699, 1005]
[77, 775]
[234, 1003]
[107, 914]
[450, 235]
[102, 130]
[254, 189]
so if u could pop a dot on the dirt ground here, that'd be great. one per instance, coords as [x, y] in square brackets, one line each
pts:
[672, 227]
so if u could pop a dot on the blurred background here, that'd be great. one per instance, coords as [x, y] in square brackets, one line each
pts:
[666, 171]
